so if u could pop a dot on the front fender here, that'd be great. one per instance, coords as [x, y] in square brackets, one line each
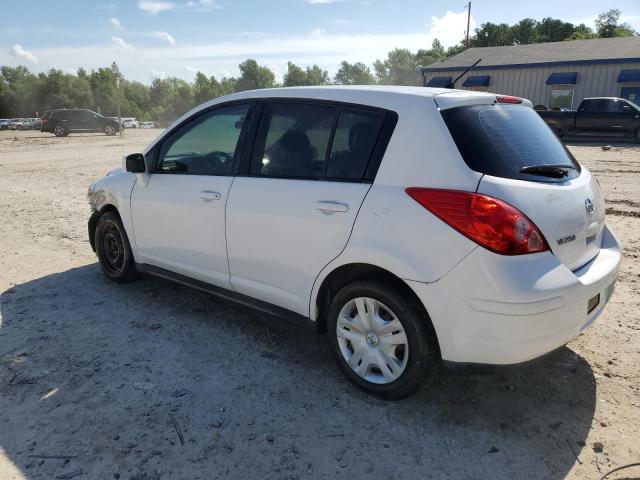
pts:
[113, 190]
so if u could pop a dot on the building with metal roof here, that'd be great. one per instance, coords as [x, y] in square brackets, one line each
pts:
[558, 74]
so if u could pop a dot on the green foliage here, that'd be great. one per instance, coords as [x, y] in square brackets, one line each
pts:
[253, 76]
[354, 74]
[399, 68]
[607, 25]
[297, 77]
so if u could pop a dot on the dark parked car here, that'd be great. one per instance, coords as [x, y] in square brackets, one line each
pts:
[64, 121]
[602, 116]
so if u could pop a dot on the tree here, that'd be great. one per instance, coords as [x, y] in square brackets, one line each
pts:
[492, 35]
[554, 30]
[582, 32]
[204, 88]
[316, 76]
[524, 32]
[399, 68]
[295, 76]
[437, 50]
[607, 25]
[254, 76]
[105, 95]
[354, 74]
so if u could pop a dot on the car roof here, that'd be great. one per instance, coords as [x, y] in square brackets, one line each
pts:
[336, 92]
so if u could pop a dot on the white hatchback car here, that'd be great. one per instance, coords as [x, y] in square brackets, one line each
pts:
[413, 225]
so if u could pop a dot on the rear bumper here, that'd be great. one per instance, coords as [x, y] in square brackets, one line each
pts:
[495, 309]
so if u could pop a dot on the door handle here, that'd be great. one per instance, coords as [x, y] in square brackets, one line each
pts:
[329, 208]
[209, 196]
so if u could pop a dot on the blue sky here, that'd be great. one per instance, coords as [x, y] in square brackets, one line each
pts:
[153, 38]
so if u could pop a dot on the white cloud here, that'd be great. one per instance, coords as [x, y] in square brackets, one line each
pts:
[120, 44]
[164, 36]
[318, 31]
[203, 5]
[221, 58]
[154, 7]
[323, 2]
[116, 23]
[23, 55]
[450, 28]
[158, 74]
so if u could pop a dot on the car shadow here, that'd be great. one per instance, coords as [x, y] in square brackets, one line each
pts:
[152, 379]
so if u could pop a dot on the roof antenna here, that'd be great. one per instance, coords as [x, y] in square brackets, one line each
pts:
[453, 84]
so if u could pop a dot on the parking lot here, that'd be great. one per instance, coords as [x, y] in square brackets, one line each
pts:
[104, 380]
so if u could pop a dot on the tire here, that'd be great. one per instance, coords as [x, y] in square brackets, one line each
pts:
[110, 130]
[113, 249]
[411, 359]
[60, 131]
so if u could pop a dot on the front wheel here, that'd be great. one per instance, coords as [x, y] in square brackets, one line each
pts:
[110, 130]
[382, 340]
[113, 249]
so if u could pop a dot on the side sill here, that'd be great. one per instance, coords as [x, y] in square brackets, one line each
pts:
[239, 298]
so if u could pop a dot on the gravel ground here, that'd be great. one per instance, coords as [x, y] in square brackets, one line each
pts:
[102, 375]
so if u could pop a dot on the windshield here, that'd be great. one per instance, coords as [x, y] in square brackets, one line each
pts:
[504, 140]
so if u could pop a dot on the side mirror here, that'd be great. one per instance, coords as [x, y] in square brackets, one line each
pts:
[626, 109]
[135, 163]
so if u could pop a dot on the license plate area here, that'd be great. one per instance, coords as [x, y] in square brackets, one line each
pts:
[593, 303]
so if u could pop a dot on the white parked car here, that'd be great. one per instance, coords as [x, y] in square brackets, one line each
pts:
[130, 123]
[413, 225]
[147, 125]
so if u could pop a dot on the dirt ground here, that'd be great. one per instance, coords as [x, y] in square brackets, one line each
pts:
[93, 375]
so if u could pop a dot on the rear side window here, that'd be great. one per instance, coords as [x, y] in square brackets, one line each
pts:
[500, 140]
[316, 141]
[293, 140]
[353, 143]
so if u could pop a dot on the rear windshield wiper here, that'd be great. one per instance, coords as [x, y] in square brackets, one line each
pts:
[554, 171]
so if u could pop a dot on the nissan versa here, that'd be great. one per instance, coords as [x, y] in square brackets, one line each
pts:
[413, 225]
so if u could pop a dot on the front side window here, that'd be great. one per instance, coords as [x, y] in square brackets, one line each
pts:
[206, 145]
[293, 140]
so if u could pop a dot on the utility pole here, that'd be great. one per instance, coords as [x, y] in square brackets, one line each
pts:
[468, 22]
[116, 73]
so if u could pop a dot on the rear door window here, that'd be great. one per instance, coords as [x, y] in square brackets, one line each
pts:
[293, 140]
[500, 140]
[353, 143]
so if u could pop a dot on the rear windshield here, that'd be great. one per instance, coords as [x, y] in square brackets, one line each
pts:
[500, 140]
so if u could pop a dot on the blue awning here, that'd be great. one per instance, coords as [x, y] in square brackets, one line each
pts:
[476, 81]
[439, 82]
[564, 78]
[629, 76]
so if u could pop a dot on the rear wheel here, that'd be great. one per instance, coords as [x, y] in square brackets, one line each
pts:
[60, 131]
[113, 249]
[381, 339]
[110, 130]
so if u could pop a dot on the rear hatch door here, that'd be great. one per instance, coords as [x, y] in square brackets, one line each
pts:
[524, 164]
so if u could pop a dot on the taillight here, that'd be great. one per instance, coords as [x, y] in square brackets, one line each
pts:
[44, 119]
[488, 221]
[508, 99]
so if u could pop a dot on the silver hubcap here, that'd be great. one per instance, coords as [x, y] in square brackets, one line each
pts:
[372, 340]
[58, 130]
[110, 130]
